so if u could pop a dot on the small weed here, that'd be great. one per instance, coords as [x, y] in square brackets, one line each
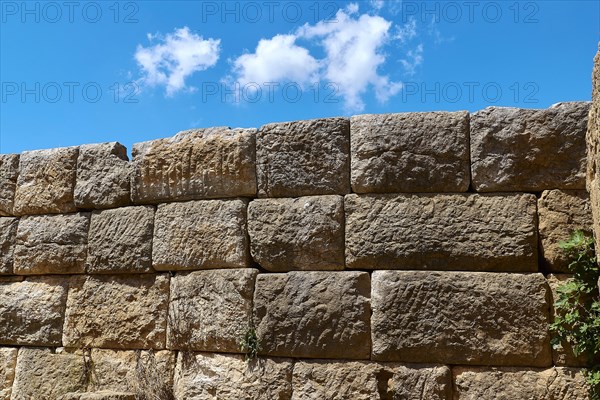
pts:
[249, 344]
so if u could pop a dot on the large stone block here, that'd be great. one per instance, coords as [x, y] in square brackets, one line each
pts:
[442, 232]
[205, 376]
[201, 234]
[51, 244]
[8, 232]
[515, 383]
[305, 233]
[525, 150]
[117, 311]
[472, 318]
[195, 164]
[8, 362]
[313, 314]
[210, 310]
[103, 176]
[303, 158]
[120, 240]
[9, 171]
[46, 181]
[410, 152]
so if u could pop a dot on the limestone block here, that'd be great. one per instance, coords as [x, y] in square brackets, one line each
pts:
[8, 362]
[593, 148]
[104, 395]
[9, 171]
[8, 232]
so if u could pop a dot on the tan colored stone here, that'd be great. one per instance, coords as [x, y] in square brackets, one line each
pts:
[313, 314]
[303, 158]
[8, 362]
[120, 240]
[515, 383]
[117, 311]
[473, 318]
[9, 171]
[103, 176]
[32, 311]
[210, 310]
[206, 376]
[51, 244]
[200, 235]
[442, 232]
[8, 232]
[104, 395]
[593, 148]
[46, 181]
[410, 152]
[305, 233]
[195, 164]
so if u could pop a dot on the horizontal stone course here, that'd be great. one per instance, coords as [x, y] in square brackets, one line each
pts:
[9, 171]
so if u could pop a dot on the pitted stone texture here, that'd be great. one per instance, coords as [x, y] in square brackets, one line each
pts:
[117, 311]
[516, 149]
[103, 395]
[515, 383]
[442, 232]
[305, 233]
[355, 380]
[472, 318]
[206, 376]
[8, 362]
[195, 164]
[313, 314]
[51, 244]
[303, 158]
[410, 152]
[8, 232]
[32, 311]
[593, 148]
[9, 171]
[210, 310]
[46, 181]
[120, 240]
[200, 235]
[103, 176]
[560, 213]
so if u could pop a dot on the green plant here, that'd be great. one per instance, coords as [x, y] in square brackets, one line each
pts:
[249, 343]
[577, 309]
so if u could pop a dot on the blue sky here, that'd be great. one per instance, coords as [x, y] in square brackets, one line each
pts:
[95, 71]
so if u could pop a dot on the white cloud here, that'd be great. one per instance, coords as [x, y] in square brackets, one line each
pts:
[176, 57]
[406, 32]
[413, 59]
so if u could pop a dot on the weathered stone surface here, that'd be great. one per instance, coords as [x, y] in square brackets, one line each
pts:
[9, 171]
[472, 318]
[442, 232]
[516, 149]
[8, 231]
[313, 314]
[51, 244]
[560, 213]
[104, 395]
[593, 148]
[201, 234]
[8, 362]
[32, 311]
[117, 311]
[515, 383]
[356, 380]
[103, 176]
[210, 310]
[305, 233]
[410, 152]
[303, 158]
[120, 240]
[205, 376]
[195, 164]
[46, 181]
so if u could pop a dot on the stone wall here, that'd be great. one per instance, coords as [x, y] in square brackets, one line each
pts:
[397, 256]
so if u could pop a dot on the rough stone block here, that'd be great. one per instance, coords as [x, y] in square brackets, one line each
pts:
[46, 181]
[515, 383]
[32, 311]
[205, 376]
[303, 158]
[442, 232]
[120, 240]
[313, 314]
[210, 310]
[8, 232]
[117, 311]
[195, 164]
[593, 147]
[524, 150]
[103, 395]
[410, 152]
[201, 234]
[8, 362]
[472, 318]
[9, 171]
[103, 176]
[51, 244]
[305, 233]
